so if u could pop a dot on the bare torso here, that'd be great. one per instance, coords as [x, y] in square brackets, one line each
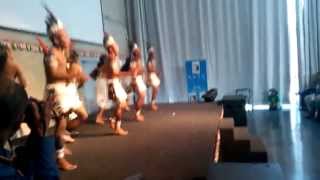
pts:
[56, 66]
[75, 69]
[136, 67]
[111, 68]
[151, 66]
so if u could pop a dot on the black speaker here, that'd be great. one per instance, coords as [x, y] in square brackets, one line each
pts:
[210, 95]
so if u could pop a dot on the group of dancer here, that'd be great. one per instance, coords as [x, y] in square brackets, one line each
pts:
[48, 119]
[115, 83]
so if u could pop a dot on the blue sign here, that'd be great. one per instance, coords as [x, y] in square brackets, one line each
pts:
[196, 75]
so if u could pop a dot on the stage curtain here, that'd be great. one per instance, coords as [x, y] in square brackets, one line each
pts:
[245, 43]
[308, 33]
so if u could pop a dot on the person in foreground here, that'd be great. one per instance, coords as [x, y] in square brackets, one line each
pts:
[13, 102]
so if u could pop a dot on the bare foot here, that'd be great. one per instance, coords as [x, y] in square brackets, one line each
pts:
[112, 124]
[154, 107]
[100, 121]
[68, 139]
[65, 165]
[120, 132]
[140, 118]
[67, 151]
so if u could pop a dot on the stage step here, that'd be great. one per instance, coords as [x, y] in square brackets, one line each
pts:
[241, 133]
[235, 142]
[244, 150]
[226, 135]
[256, 145]
[226, 123]
[247, 171]
[234, 106]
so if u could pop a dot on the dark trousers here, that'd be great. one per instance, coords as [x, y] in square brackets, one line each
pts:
[303, 94]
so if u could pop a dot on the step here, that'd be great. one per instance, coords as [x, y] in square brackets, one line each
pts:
[234, 151]
[241, 133]
[247, 171]
[226, 123]
[256, 145]
[259, 157]
[226, 135]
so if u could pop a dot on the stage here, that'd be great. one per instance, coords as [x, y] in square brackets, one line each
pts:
[172, 144]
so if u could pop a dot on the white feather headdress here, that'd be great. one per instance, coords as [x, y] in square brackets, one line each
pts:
[52, 22]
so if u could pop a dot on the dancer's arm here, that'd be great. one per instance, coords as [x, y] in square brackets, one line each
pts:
[43, 45]
[21, 78]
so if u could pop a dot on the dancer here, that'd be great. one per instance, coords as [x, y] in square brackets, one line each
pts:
[153, 78]
[78, 112]
[75, 68]
[126, 81]
[79, 79]
[115, 90]
[138, 84]
[57, 77]
[126, 78]
[101, 90]
[126, 66]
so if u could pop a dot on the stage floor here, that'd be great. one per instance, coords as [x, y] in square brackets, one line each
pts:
[172, 144]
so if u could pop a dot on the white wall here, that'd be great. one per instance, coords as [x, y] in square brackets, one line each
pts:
[115, 22]
[245, 44]
[82, 18]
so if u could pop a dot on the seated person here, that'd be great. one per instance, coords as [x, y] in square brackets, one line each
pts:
[13, 102]
[37, 159]
[40, 152]
[311, 96]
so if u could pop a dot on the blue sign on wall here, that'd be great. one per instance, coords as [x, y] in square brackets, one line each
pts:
[196, 74]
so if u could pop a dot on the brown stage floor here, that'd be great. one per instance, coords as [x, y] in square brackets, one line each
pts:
[164, 147]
